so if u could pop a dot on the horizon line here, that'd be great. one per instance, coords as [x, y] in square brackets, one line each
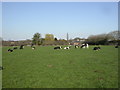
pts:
[59, 0]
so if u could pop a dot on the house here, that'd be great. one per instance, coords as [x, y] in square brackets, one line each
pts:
[77, 41]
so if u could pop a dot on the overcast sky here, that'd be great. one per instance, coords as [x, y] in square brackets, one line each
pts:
[20, 20]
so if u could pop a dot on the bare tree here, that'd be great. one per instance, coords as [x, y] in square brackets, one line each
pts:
[98, 39]
[114, 35]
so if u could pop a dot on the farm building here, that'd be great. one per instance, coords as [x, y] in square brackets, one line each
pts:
[77, 41]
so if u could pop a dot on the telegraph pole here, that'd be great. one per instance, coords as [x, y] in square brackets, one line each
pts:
[67, 38]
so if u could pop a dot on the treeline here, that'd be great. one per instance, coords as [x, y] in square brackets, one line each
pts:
[111, 38]
[37, 40]
[48, 40]
[30, 42]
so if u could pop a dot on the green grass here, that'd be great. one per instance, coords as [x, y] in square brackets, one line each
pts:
[0, 65]
[48, 68]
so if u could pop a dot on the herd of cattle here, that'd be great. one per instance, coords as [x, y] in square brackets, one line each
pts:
[77, 46]
[21, 47]
[60, 47]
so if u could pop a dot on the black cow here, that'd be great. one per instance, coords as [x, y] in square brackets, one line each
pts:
[96, 48]
[58, 47]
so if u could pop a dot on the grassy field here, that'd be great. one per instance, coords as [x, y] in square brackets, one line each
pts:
[49, 68]
[0, 65]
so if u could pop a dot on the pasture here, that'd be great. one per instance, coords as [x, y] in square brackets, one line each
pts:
[45, 67]
[0, 65]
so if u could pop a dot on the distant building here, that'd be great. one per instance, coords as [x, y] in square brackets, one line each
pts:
[77, 41]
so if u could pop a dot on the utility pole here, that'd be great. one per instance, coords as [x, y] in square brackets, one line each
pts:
[67, 38]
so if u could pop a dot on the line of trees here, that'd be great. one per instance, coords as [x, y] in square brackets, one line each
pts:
[0, 41]
[104, 39]
[101, 39]
[48, 40]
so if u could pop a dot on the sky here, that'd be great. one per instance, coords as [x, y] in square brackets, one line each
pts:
[21, 20]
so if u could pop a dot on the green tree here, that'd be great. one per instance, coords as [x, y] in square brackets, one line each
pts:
[36, 39]
[49, 37]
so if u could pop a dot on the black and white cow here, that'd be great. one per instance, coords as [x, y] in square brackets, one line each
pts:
[22, 46]
[10, 50]
[66, 47]
[59, 47]
[76, 46]
[85, 45]
[1, 68]
[33, 48]
[96, 48]
[116, 46]
[15, 48]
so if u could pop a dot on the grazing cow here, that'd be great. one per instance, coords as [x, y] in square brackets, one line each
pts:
[1, 68]
[76, 46]
[116, 46]
[66, 47]
[22, 46]
[99, 48]
[10, 50]
[33, 48]
[96, 48]
[57, 47]
[85, 45]
[15, 48]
